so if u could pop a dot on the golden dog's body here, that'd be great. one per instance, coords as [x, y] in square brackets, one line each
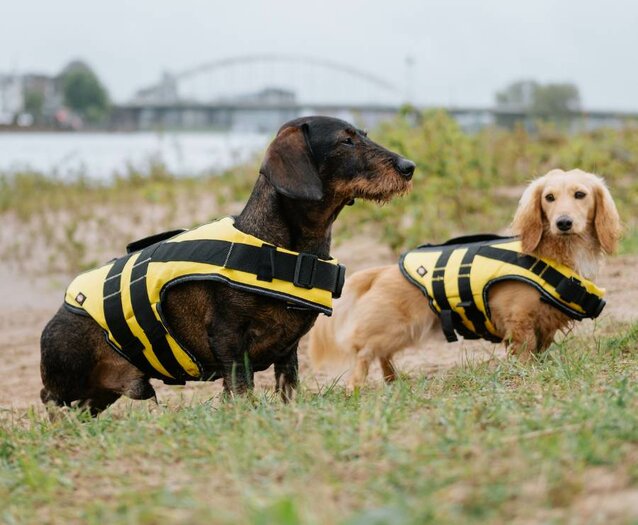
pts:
[382, 313]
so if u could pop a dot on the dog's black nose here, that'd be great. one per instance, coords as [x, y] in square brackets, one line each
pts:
[564, 224]
[405, 167]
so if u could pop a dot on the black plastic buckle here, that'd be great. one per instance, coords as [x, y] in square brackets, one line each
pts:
[571, 290]
[266, 266]
[599, 308]
[341, 279]
[593, 306]
[305, 270]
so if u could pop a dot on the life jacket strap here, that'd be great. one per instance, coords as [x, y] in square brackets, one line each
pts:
[472, 312]
[145, 242]
[153, 328]
[266, 262]
[447, 315]
[304, 270]
[131, 348]
[570, 289]
[447, 325]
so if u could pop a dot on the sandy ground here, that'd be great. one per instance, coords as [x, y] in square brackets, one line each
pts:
[26, 304]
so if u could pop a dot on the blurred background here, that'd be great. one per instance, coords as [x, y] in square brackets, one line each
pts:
[200, 85]
[121, 119]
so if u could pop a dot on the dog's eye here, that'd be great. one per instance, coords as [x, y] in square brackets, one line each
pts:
[580, 195]
[550, 197]
[348, 141]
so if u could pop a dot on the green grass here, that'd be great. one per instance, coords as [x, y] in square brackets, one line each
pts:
[482, 443]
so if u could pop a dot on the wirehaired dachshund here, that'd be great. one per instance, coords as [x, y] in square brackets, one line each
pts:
[313, 168]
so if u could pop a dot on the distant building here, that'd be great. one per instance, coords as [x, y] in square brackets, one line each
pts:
[48, 89]
[36, 98]
[11, 98]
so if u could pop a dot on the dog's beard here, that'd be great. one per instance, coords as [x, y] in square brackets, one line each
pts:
[371, 190]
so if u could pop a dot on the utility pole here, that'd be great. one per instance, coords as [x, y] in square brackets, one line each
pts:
[409, 80]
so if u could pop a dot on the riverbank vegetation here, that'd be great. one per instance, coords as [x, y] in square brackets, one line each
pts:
[464, 183]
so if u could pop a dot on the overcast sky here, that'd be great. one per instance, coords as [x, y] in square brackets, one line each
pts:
[464, 50]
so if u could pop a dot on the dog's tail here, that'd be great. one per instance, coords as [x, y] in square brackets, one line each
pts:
[323, 349]
[331, 342]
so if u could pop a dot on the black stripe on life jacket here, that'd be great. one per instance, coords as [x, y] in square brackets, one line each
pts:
[153, 328]
[450, 320]
[474, 315]
[131, 347]
[570, 289]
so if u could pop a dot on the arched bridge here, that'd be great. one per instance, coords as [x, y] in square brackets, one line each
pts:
[309, 79]
[258, 92]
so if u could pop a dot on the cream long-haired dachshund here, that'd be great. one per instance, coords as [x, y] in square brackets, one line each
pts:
[567, 217]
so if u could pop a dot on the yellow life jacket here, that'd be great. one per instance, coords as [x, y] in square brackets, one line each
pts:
[456, 277]
[125, 296]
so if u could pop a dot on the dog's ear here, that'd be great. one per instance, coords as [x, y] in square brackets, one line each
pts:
[528, 219]
[289, 166]
[606, 219]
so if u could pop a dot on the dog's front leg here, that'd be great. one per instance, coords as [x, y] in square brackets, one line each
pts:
[230, 345]
[237, 371]
[287, 374]
[238, 374]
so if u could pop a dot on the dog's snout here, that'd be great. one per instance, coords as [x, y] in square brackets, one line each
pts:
[564, 223]
[405, 167]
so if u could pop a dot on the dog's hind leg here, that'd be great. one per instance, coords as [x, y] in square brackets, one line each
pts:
[115, 374]
[54, 406]
[388, 369]
[67, 358]
[98, 402]
[78, 364]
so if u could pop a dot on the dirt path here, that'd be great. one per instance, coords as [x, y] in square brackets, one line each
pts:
[27, 304]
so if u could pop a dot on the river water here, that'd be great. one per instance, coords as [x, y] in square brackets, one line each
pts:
[102, 155]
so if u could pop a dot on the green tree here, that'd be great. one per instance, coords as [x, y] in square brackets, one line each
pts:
[85, 94]
[532, 98]
[518, 96]
[34, 103]
[556, 99]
